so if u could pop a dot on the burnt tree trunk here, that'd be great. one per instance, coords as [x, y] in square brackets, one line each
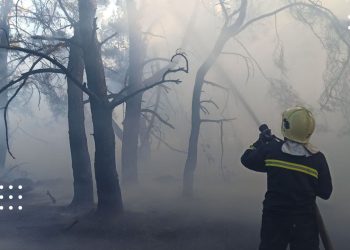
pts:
[191, 162]
[81, 165]
[117, 130]
[108, 189]
[144, 150]
[131, 124]
[4, 31]
[145, 133]
[131, 127]
[218, 68]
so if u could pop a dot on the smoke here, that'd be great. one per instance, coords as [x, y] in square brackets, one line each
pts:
[231, 191]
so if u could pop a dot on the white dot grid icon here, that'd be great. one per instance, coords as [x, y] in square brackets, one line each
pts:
[11, 197]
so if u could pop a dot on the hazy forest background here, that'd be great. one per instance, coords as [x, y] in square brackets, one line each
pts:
[125, 120]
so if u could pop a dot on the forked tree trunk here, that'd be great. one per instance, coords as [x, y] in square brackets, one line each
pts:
[4, 32]
[108, 189]
[81, 165]
[131, 124]
[191, 161]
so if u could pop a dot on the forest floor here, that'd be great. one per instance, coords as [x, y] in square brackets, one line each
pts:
[156, 218]
[44, 225]
[41, 227]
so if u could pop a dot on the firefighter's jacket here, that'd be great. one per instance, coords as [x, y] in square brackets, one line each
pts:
[293, 182]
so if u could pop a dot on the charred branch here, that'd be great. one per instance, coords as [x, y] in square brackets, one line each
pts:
[210, 102]
[167, 144]
[56, 63]
[69, 18]
[120, 99]
[109, 38]
[218, 120]
[45, 38]
[158, 116]
[204, 109]
[224, 10]
[215, 85]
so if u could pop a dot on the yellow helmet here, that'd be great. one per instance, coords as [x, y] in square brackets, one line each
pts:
[298, 124]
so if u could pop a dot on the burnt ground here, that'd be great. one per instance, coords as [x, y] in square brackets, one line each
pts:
[48, 227]
[183, 224]
[151, 222]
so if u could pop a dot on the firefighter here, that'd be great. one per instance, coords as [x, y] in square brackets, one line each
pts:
[296, 173]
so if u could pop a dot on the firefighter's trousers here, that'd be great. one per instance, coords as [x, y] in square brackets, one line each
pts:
[298, 231]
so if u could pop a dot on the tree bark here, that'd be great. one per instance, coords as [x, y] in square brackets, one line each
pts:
[81, 165]
[4, 32]
[131, 124]
[108, 189]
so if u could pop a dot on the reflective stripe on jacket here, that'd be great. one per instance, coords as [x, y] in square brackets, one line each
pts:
[293, 182]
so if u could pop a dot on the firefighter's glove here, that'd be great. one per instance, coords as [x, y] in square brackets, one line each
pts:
[264, 138]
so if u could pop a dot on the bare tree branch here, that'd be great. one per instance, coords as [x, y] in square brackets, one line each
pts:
[224, 10]
[29, 73]
[109, 38]
[218, 120]
[204, 109]
[10, 100]
[59, 65]
[246, 59]
[120, 99]
[211, 102]
[158, 116]
[167, 144]
[268, 79]
[70, 19]
[215, 85]
[52, 38]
